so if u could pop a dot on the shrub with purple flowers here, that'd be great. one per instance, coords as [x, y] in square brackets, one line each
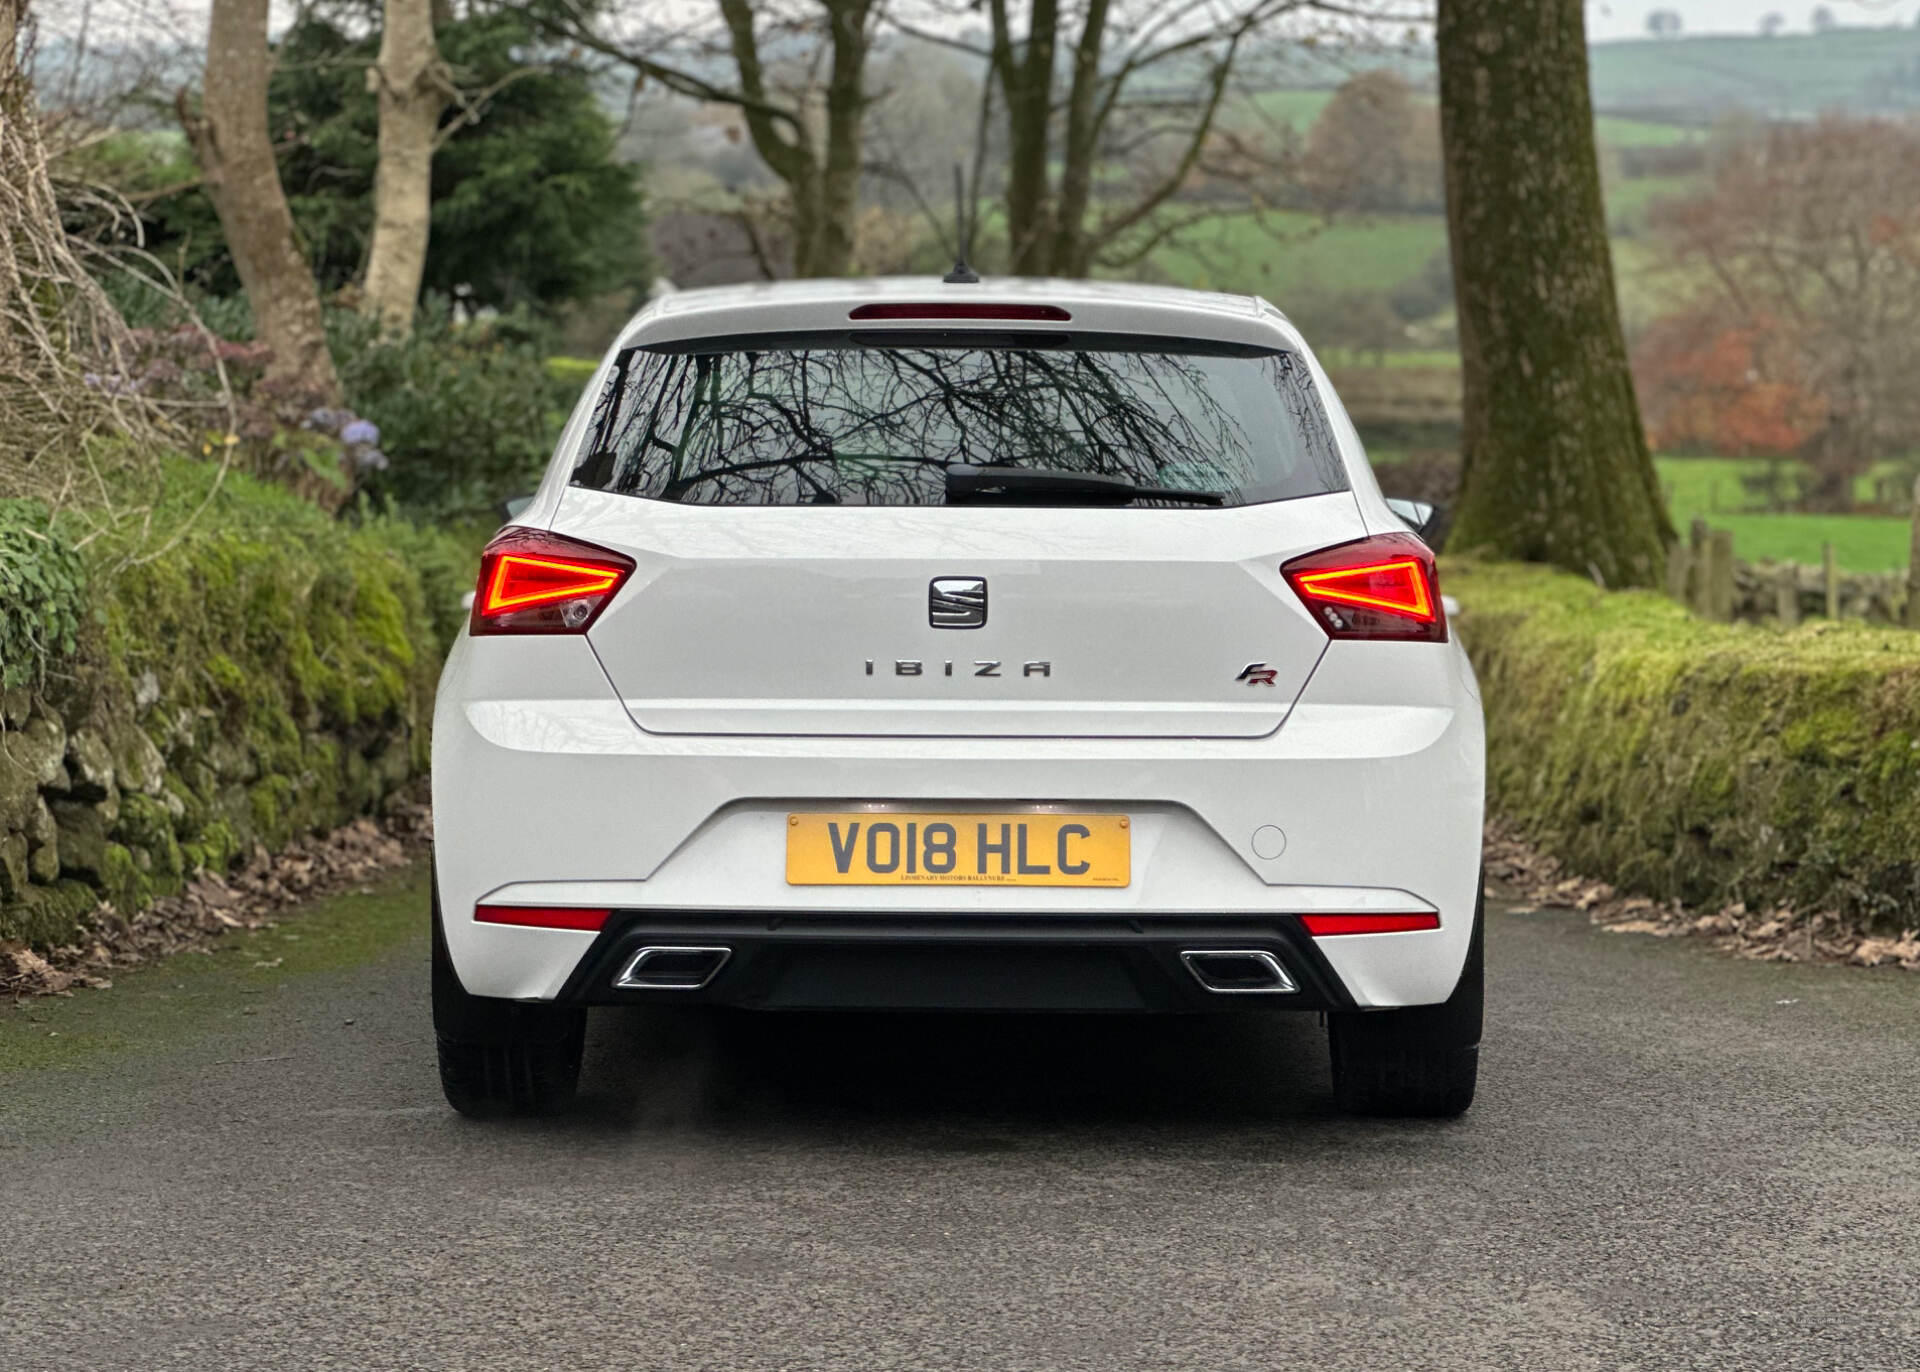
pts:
[275, 428]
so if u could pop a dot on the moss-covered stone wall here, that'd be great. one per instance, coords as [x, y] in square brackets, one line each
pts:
[267, 673]
[1704, 762]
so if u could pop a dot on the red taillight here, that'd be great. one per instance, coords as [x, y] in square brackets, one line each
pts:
[1052, 314]
[1320, 926]
[542, 916]
[1382, 587]
[540, 583]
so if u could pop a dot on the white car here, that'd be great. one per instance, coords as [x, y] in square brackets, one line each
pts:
[1022, 645]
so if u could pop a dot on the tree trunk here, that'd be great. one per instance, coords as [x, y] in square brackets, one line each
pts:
[1026, 80]
[412, 85]
[1072, 249]
[235, 151]
[781, 142]
[804, 219]
[846, 107]
[1555, 466]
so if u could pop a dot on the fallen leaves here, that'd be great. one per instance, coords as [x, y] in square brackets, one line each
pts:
[1522, 872]
[213, 904]
[1872, 952]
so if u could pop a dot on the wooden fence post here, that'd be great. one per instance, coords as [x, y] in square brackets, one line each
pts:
[1911, 617]
[1830, 578]
[1698, 567]
[1786, 595]
[1679, 569]
[1720, 577]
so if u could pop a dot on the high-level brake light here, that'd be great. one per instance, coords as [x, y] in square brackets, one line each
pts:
[533, 582]
[957, 309]
[1382, 587]
[1322, 926]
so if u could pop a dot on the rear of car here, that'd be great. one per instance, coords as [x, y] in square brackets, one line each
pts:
[1035, 646]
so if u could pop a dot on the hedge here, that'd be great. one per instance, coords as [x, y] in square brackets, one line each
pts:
[1703, 762]
[261, 672]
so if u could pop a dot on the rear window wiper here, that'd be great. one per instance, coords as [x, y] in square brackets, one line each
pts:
[966, 481]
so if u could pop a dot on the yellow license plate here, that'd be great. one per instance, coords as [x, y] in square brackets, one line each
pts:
[881, 849]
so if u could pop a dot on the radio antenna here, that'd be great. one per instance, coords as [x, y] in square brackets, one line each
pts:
[962, 274]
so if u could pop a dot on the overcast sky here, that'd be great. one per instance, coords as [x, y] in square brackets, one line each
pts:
[1605, 18]
[1628, 18]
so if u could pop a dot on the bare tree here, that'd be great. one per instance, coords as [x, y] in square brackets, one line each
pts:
[235, 150]
[1811, 236]
[64, 351]
[1143, 88]
[806, 124]
[1374, 147]
[413, 86]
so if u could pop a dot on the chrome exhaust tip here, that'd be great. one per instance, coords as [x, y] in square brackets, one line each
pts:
[1238, 971]
[677, 968]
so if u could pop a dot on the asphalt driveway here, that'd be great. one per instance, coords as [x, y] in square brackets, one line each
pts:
[1677, 1162]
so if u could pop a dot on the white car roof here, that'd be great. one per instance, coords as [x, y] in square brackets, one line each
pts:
[1097, 306]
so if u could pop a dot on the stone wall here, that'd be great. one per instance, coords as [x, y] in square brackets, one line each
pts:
[1759, 589]
[271, 675]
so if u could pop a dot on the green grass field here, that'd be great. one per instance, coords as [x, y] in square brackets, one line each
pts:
[1613, 131]
[1285, 251]
[1867, 65]
[1861, 543]
[1296, 107]
[1856, 68]
[1629, 198]
[1709, 488]
[1301, 107]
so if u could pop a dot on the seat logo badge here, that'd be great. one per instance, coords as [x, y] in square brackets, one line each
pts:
[1257, 674]
[957, 602]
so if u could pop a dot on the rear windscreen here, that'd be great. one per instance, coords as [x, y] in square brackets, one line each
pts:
[846, 423]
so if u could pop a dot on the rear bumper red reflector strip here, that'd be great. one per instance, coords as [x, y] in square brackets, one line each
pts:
[1320, 926]
[542, 916]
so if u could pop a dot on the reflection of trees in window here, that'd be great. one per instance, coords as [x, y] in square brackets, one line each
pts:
[878, 426]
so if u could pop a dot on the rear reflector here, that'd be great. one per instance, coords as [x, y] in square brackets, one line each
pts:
[542, 916]
[539, 583]
[1321, 926]
[1383, 587]
[960, 310]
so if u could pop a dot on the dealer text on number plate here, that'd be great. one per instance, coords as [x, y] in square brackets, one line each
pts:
[882, 849]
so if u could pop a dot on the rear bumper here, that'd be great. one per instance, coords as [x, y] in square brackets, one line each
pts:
[823, 962]
[546, 793]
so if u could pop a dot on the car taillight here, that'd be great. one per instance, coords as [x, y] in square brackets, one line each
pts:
[540, 583]
[1382, 587]
[1321, 926]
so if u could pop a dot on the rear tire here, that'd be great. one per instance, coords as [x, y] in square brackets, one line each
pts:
[501, 1057]
[1422, 1061]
